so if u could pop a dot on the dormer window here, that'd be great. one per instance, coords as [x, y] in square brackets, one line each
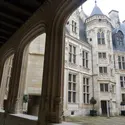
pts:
[101, 37]
[74, 27]
[119, 38]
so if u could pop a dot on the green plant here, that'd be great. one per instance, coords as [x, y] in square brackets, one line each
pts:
[25, 98]
[93, 101]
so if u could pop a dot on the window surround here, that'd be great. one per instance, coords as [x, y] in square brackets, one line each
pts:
[100, 37]
[122, 81]
[123, 97]
[72, 53]
[119, 38]
[72, 87]
[121, 62]
[86, 90]
[85, 59]
[103, 70]
[104, 87]
[74, 26]
[102, 55]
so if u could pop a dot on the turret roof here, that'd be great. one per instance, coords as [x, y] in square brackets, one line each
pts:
[96, 10]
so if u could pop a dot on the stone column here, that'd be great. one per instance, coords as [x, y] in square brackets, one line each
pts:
[3, 85]
[5, 79]
[53, 76]
[19, 102]
[16, 90]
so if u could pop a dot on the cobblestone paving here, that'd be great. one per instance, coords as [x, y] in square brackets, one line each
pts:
[98, 120]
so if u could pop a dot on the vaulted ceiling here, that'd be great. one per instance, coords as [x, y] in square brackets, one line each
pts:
[13, 14]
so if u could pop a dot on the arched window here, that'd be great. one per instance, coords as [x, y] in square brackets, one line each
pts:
[101, 37]
[120, 38]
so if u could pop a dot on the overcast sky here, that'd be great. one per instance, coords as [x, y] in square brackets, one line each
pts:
[106, 6]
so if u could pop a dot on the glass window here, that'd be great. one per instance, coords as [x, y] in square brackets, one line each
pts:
[74, 27]
[85, 59]
[72, 88]
[122, 81]
[119, 38]
[123, 97]
[85, 90]
[72, 54]
[102, 55]
[101, 37]
[104, 87]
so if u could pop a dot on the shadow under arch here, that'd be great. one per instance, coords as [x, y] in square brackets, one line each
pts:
[20, 53]
[31, 34]
[10, 52]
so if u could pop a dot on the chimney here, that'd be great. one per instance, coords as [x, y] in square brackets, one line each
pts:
[114, 16]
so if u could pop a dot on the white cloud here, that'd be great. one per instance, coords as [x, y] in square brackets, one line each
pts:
[106, 6]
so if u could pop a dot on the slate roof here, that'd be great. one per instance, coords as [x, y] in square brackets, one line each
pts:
[96, 11]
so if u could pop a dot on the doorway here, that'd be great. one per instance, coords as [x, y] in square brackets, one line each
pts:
[104, 107]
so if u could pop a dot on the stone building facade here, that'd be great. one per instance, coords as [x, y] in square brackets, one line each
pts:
[94, 65]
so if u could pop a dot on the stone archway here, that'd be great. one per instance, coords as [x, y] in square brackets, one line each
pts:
[51, 100]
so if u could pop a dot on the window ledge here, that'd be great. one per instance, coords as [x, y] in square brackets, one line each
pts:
[1, 110]
[87, 104]
[85, 68]
[74, 64]
[71, 103]
[30, 117]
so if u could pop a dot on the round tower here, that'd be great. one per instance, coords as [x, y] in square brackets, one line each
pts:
[99, 35]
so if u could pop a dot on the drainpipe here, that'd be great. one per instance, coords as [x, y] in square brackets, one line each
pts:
[92, 71]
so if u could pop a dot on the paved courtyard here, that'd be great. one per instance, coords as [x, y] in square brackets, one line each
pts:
[97, 120]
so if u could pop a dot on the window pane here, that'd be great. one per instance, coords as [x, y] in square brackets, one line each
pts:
[101, 88]
[119, 58]
[74, 50]
[86, 55]
[74, 58]
[103, 41]
[83, 54]
[98, 35]
[74, 78]
[122, 84]
[70, 57]
[104, 55]
[74, 87]
[74, 97]
[86, 63]
[120, 65]
[83, 80]
[69, 87]
[87, 81]
[123, 65]
[123, 59]
[69, 96]
[105, 69]
[87, 98]
[84, 98]
[100, 70]
[87, 89]
[99, 40]
[100, 55]
[84, 90]
[102, 35]
[106, 87]
[83, 62]
[70, 48]
[70, 77]
[123, 97]
[121, 78]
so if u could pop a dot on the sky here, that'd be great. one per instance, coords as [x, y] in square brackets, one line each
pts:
[106, 6]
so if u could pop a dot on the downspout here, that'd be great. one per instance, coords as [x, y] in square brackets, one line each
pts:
[92, 71]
